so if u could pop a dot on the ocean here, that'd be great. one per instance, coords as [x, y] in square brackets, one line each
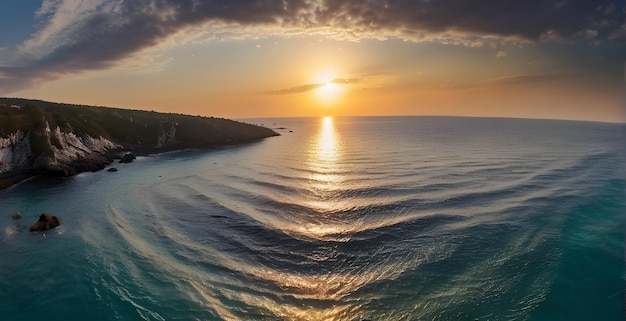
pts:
[344, 218]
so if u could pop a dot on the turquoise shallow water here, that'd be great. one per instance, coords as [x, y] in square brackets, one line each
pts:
[367, 218]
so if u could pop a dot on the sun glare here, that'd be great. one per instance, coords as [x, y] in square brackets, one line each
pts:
[329, 91]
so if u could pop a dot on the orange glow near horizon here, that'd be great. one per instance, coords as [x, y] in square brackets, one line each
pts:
[334, 78]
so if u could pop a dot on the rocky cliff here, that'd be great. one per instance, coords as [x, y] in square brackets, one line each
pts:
[62, 139]
[15, 152]
[68, 154]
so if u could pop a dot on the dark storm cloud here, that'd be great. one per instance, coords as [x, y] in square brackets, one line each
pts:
[100, 38]
[107, 32]
[531, 19]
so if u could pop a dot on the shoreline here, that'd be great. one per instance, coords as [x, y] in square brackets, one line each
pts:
[8, 181]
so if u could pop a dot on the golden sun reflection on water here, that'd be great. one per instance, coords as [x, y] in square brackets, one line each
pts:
[324, 155]
[327, 142]
[314, 296]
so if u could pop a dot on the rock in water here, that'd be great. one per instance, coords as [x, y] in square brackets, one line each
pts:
[16, 216]
[128, 158]
[45, 222]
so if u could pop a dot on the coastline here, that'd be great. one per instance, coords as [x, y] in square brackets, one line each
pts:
[10, 180]
[59, 150]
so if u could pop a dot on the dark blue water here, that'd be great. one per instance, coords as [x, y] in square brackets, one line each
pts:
[371, 218]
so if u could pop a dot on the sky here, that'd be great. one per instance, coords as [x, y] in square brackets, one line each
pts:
[558, 59]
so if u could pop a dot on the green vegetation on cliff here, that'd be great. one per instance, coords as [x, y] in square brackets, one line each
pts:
[130, 128]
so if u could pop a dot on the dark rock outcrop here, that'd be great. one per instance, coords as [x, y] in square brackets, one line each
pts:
[92, 162]
[128, 158]
[45, 222]
[112, 169]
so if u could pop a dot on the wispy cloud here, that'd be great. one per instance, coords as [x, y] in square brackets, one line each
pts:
[83, 35]
[347, 81]
[295, 90]
[514, 80]
[524, 79]
[310, 87]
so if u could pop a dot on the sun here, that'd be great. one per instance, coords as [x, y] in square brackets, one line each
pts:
[328, 91]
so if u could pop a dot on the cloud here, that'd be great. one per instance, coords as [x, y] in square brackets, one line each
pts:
[522, 79]
[619, 34]
[495, 18]
[501, 54]
[295, 90]
[311, 87]
[590, 33]
[48, 7]
[84, 35]
[346, 81]
[508, 81]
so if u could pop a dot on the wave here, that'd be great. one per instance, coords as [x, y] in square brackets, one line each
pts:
[394, 236]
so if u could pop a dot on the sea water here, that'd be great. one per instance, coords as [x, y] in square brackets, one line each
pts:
[364, 218]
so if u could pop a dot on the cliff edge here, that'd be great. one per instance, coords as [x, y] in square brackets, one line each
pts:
[38, 137]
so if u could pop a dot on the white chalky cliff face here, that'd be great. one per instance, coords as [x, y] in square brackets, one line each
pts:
[16, 153]
[72, 147]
